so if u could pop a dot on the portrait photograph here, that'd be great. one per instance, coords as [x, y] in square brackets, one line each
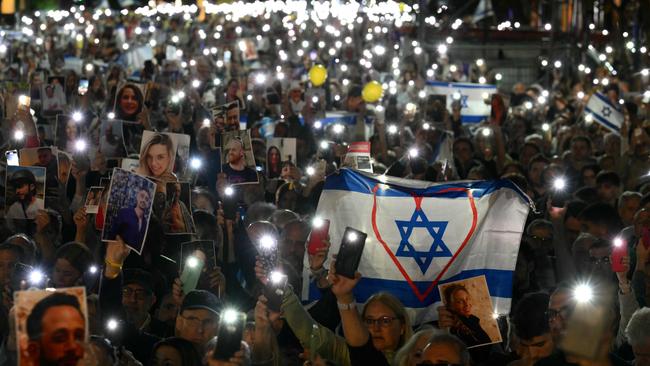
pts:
[67, 132]
[157, 155]
[24, 191]
[43, 316]
[207, 247]
[53, 99]
[111, 139]
[226, 117]
[46, 157]
[278, 151]
[470, 304]
[130, 200]
[177, 214]
[182, 158]
[129, 101]
[65, 166]
[93, 199]
[238, 158]
[11, 99]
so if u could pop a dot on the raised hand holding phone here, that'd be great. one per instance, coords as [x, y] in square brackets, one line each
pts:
[231, 331]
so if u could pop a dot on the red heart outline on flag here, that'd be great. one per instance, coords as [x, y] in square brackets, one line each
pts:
[423, 295]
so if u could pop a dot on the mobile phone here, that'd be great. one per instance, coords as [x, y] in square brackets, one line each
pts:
[192, 269]
[24, 101]
[560, 192]
[619, 251]
[82, 89]
[274, 290]
[586, 327]
[20, 275]
[319, 231]
[645, 236]
[349, 256]
[229, 337]
[267, 248]
[230, 207]
[12, 157]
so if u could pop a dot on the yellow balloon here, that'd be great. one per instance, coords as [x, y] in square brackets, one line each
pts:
[372, 92]
[317, 75]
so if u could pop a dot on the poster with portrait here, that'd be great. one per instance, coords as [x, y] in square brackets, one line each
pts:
[182, 157]
[67, 132]
[53, 99]
[45, 157]
[130, 201]
[469, 302]
[24, 191]
[238, 159]
[157, 154]
[65, 166]
[358, 156]
[41, 315]
[16, 94]
[111, 139]
[177, 214]
[278, 151]
[93, 199]
[129, 101]
[248, 48]
[46, 133]
[207, 247]
[226, 117]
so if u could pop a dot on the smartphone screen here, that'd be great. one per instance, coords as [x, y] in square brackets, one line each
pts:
[193, 267]
[267, 248]
[349, 256]
[12, 157]
[231, 330]
[274, 291]
[619, 251]
[82, 89]
[319, 232]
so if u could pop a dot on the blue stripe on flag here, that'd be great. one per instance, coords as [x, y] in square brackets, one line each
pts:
[606, 101]
[499, 284]
[472, 119]
[602, 120]
[461, 85]
[349, 180]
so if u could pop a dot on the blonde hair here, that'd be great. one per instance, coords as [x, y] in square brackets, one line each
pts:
[396, 307]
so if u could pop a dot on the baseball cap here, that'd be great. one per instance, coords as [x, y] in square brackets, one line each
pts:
[201, 299]
[139, 277]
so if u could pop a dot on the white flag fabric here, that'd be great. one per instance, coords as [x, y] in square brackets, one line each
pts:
[483, 10]
[604, 112]
[421, 235]
[471, 97]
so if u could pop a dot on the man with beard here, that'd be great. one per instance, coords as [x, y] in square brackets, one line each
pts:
[236, 168]
[56, 328]
[130, 223]
[232, 116]
[27, 204]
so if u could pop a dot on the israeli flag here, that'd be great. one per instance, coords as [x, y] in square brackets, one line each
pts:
[601, 110]
[471, 97]
[421, 235]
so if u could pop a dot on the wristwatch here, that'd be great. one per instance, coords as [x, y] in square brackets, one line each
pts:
[350, 306]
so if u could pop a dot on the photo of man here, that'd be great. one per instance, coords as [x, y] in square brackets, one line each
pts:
[24, 192]
[53, 96]
[227, 115]
[111, 140]
[129, 208]
[239, 165]
[45, 157]
[177, 218]
[51, 326]
[65, 165]
[468, 310]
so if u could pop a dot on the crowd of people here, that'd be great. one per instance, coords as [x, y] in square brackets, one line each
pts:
[82, 67]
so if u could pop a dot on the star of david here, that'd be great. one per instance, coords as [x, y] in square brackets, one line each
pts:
[436, 229]
[606, 111]
[463, 100]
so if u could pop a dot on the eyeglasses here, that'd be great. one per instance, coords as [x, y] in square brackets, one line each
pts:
[540, 239]
[384, 321]
[138, 294]
[195, 322]
[563, 312]
[603, 260]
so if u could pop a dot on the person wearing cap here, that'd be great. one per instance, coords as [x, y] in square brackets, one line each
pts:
[138, 297]
[294, 102]
[198, 319]
[27, 203]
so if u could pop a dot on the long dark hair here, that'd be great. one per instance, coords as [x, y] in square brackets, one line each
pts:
[185, 348]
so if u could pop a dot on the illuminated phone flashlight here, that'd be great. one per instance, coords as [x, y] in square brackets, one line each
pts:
[36, 277]
[618, 242]
[411, 107]
[541, 99]
[192, 261]
[93, 269]
[112, 325]
[206, 122]
[338, 128]
[559, 184]
[196, 83]
[318, 125]
[392, 129]
[267, 242]
[486, 132]
[260, 79]
[456, 96]
[229, 191]
[89, 67]
[110, 115]
[583, 293]
[276, 277]
[317, 222]
[23, 99]
[546, 127]
[311, 171]
[230, 316]
[413, 152]
[196, 163]
[314, 99]
[19, 135]
[77, 116]
[352, 236]
[80, 145]
[324, 145]
[426, 126]
[216, 81]
[528, 105]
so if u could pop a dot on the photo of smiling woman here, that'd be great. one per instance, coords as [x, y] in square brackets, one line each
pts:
[128, 102]
[157, 154]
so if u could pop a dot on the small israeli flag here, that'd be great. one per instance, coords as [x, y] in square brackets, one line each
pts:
[471, 96]
[601, 110]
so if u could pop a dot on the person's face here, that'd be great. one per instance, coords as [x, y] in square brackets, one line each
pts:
[274, 156]
[232, 119]
[64, 170]
[197, 325]
[595, 230]
[463, 152]
[441, 353]
[599, 263]
[143, 200]
[589, 178]
[608, 192]
[158, 159]
[461, 303]
[64, 274]
[612, 145]
[23, 190]
[167, 356]
[44, 157]
[385, 330]
[8, 260]
[202, 202]
[541, 239]
[293, 243]
[535, 173]
[167, 310]
[559, 309]
[527, 153]
[572, 229]
[136, 300]
[232, 89]
[129, 102]
[536, 348]
[415, 355]
[62, 336]
[235, 152]
[71, 131]
[580, 150]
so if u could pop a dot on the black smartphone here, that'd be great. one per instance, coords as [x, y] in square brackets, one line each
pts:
[267, 248]
[20, 275]
[349, 256]
[274, 290]
[230, 207]
[231, 330]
